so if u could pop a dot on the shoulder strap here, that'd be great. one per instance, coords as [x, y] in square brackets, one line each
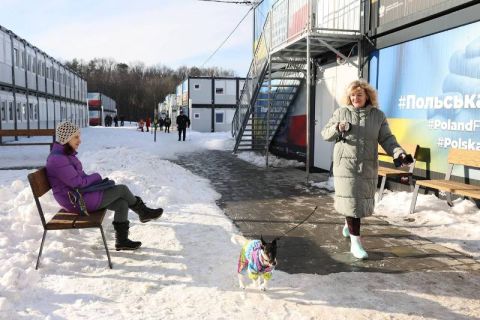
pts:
[102, 185]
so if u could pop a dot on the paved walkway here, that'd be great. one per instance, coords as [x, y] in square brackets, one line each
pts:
[270, 201]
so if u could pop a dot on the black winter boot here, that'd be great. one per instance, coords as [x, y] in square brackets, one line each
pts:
[121, 237]
[144, 213]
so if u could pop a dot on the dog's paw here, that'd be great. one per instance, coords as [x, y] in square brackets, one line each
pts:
[241, 285]
[263, 288]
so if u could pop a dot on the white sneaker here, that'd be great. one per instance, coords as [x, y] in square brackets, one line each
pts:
[345, 231]
[356, 248]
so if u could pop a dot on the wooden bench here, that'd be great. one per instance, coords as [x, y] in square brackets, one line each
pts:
[386, 172]
[62, 220]
[28, 133]
[467, 158]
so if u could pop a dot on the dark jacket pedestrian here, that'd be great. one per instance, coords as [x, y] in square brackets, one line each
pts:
[161, 123]
[65, 174]
[115, 120]
[168, 123]
[183, 122]
[147, 123]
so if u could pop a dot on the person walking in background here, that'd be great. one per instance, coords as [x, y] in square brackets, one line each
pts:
[108, 120]
[141, 123]
[65, 174]
[357, 128]
[115, 120]
[122, 120]
[147, 123]
[161, 122]
[168, 122]
[183, 122]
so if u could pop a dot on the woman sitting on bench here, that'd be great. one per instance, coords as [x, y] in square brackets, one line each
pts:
[65, 174]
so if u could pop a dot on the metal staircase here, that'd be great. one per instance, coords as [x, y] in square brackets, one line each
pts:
[274, 94]
[294, 31]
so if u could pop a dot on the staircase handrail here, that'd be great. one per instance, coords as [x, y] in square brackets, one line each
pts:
[254, 74]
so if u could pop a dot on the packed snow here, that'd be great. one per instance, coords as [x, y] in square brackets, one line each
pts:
[186, 266]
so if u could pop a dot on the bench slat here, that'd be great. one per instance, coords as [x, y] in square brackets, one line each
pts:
[64, 220]
[465, 157]
[26, 144]
[384, 171]
[26, 132]
[452, 187]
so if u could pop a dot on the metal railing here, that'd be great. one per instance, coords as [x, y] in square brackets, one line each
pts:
[288, 21]
[252, 84]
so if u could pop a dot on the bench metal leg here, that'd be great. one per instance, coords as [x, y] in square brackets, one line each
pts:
[41, 248]
[410, 182]
[414, 198]
[382, 187]
[449, 199]
[106, 248]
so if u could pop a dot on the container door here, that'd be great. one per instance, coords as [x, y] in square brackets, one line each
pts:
[324, 106]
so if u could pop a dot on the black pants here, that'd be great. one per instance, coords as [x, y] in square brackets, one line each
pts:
[118, 198]
[353, 225]
[180, 130]
[167, 129]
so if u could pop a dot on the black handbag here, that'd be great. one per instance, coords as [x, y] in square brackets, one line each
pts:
[76, 195]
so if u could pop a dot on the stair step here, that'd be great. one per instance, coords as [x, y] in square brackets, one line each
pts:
[288, 78]
[289, 70]
[281, 86]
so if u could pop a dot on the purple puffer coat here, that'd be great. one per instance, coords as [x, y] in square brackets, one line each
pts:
[64, 173]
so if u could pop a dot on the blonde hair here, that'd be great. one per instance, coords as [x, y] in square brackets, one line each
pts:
[372, 97]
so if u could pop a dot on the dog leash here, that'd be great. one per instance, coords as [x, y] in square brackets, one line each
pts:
[285, 233]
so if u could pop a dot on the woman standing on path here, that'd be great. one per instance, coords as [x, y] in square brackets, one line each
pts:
[357, 128]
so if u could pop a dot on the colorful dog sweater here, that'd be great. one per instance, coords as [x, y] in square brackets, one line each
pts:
[249, 260]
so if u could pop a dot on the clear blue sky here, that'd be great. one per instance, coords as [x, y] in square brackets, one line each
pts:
[168, 32]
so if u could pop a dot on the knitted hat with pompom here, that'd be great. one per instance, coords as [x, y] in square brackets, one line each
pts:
[65, 131]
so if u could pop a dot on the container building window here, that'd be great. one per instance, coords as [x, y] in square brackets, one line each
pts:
[16, 57]
[196, 86]
[4, 111]
[23, 59]
[218, 90]
[196, 115]
[19, 115]
[10, 111]
[219, 116]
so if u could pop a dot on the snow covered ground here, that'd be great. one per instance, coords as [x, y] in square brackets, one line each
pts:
[186, 266]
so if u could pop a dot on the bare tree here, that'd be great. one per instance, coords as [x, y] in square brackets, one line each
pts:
[136, 88]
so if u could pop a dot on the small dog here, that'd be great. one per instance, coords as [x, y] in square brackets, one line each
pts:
[257, 259]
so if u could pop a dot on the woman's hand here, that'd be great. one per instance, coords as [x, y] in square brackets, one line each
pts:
[343, 126]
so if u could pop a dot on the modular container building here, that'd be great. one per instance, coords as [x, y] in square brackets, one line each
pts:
[426, 67]
[210, 102]
[422, 56]
[36, 91]
[100, 106]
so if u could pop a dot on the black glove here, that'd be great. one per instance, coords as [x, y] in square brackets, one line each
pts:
[403, 160]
